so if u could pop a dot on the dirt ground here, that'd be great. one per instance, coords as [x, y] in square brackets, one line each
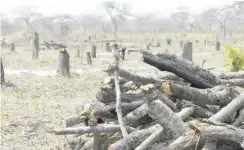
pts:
[40, 100]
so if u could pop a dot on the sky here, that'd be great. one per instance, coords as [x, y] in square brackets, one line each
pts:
[76, 7]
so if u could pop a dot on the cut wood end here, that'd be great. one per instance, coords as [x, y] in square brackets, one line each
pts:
[147, 87]
[166, 88]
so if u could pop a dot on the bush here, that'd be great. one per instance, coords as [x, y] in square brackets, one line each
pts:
[234, 55]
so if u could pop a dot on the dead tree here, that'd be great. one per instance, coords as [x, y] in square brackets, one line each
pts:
[187, 51]
[36, 49]
[88, 58]
[2, 73]
[217, 47]
[107, 47]
[63, 66]
[12, 48]
[94, 51]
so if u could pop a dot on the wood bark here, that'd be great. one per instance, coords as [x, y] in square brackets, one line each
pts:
[12, 47]
[134, 139]
[88, 57]
[93, 129]
[132, 77]
[234, 82]
[200, 97]
[200, 78]
[166, 118]
[185, 112]
[217, 47]
[2, 73]
[231, 75]
[107, 95]
[133, 117]
[107, 47]
[187, 51]
[94, 51]
[63, 65]
[151, 139]
[240, 119]
[36, 49]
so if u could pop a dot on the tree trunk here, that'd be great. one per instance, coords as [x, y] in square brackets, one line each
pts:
[88, 58]
[78, 53]
[168, 41]
[107, 47]
[12, 48]
[197, 76]
[63, 66]
[187, 51]
[36, 49]
[94, 51]
[217, 48]
[123, 53]
[2, 73]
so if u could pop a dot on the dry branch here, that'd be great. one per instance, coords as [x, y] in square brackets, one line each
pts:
[94, 129]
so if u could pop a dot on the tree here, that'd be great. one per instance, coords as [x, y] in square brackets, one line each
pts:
[182, 17]
[117, 13]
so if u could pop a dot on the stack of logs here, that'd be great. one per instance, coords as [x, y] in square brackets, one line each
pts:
[185, 108]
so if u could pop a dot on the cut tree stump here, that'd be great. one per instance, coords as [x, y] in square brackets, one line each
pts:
[168, 41]
[123, 53]
[12, 47]
[107, 47]
[36, 49]
[181, 44]
[63, 66]
[88, 58]
[78, 53]
[197, 76]
[2, 73]
[94, 51]
[217, 47]
[187, 51]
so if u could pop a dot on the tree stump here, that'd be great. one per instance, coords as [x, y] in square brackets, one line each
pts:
[123, 53]
[2, 73]
[36, 46]
[148, 46]
[107, 47]
[181, 44]
[217, 47]
[205, 42]
[89, 38]
[12, 47]
[187, 51]
[78, 53]
[88, 56]
[63, 66]
[94, 51]
[168, 41]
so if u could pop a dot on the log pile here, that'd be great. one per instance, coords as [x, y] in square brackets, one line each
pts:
[189, 108]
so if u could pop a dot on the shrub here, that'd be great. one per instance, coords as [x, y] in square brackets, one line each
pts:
[234, 55]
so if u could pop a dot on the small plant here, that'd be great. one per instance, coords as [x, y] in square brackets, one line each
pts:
[19, 94]
[35, 102]
[5, 116]
[234, 55]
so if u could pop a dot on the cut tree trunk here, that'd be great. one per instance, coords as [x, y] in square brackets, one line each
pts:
[2, 73]
[132, 77]
[63, 66]
[217, 47]
[187, 51]
[199, 96]
[94, 51]
[12, 47]
[107, 95]
[197, 76]
[234, 82]
[88, 58]
[171, 123]
[231, 75]
[36, 49]
[134, 139]
[107, 47]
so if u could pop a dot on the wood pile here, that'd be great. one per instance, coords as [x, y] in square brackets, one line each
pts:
[188, 108]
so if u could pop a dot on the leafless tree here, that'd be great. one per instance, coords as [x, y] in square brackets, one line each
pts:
[117, 13]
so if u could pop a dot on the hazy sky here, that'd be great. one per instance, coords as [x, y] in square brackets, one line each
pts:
[76, 7]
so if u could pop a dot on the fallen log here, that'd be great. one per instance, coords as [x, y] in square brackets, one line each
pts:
[185, 112]
[234, 82]
[199, 77]
[167, 119]
[231, 75]
[134, 139]
[107, 95]
[200, 97]
[93, 129]
[132, 77]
